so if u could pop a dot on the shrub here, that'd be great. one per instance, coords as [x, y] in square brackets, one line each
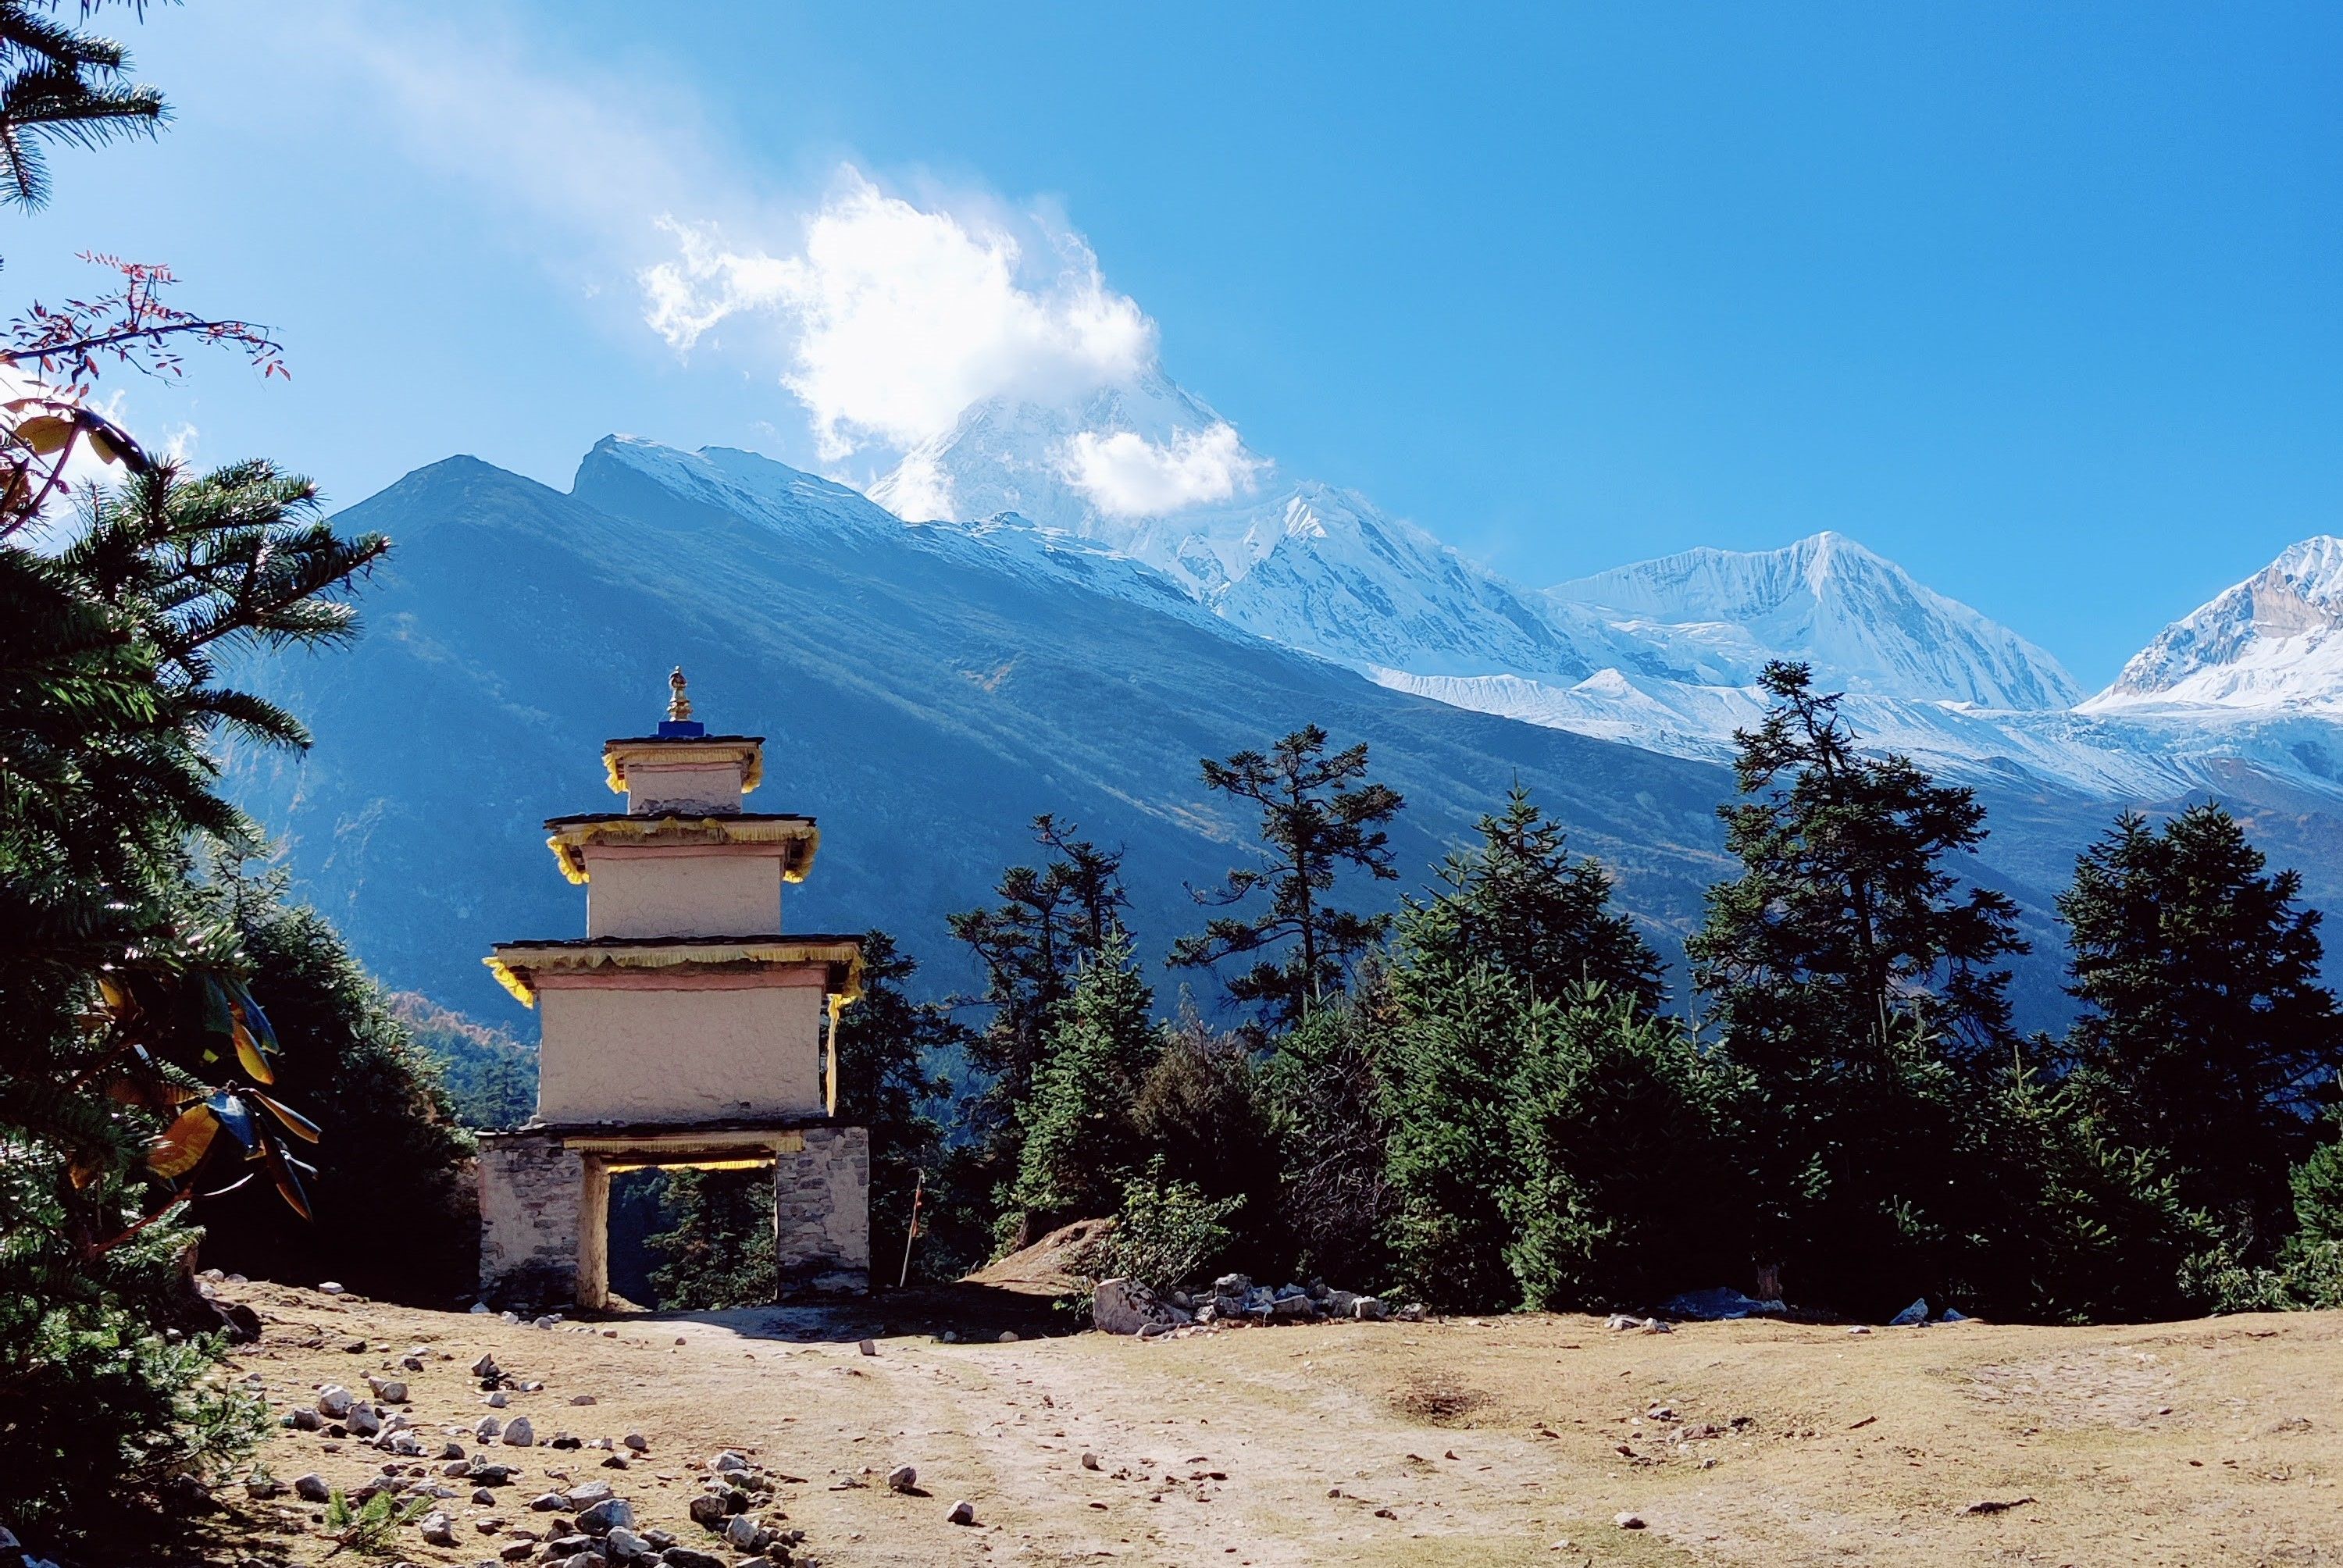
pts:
[100, 1407]
[1166, 1235]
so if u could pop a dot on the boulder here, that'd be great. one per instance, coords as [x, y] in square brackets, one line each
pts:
[1127, 1307]
[1369, 1309]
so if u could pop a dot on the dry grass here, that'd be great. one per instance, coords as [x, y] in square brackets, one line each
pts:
[1454, 1443]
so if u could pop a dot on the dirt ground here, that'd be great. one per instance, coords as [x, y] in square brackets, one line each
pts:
[1513, 1440]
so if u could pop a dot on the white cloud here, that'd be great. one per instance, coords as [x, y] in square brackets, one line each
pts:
[1125, 474]
[899, 317]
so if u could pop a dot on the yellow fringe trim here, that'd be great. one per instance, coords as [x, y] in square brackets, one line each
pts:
[577, 960]
[617, 754]
[568, 843]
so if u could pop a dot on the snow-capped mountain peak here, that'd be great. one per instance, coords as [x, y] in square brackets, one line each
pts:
[1862, 621]
[2273, 641]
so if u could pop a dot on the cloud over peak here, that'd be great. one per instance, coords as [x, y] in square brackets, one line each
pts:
[1125, 474]
[897, 318]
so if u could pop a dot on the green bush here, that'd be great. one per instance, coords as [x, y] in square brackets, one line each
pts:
[1166, 1235]
[1625, 1189]
[101, 1406]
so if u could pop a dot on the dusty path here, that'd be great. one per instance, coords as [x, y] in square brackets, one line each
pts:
[1463, 1441]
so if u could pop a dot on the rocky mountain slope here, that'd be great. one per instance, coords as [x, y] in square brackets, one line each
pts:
[925, 691]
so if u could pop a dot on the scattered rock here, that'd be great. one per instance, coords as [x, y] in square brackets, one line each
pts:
[624, 1545]
[635, 1440]
[601, 1518]
[519, 1551]
[498, 1400]
[306, 1421]
[741, 1532]
[1369, 1309]
[867, 1347]
[1996, 1505]
[334, 1402]
[1911, 1316]
[1091, 1461]
[592, 1493]
[519, 1433]
[549, 1502]
[685, 1557]
[962, 1512]
[581, 1399]
[312, 1488]
[1008, 1336]
[486, 1367]
[902, 1478]
[331, 1288]
[262, 1487]
[439, 1529]
[1860, 1329]
[1629, 1521]
[708, 1510]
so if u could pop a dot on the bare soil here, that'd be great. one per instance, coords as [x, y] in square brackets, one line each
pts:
[1511, 1440]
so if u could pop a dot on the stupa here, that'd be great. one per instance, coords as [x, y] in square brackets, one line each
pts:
[684, 1029]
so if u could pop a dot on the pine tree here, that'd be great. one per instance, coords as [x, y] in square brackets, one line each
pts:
[1051, 920]
[1319, 813]
[1862, 995]
[59, 83]
[888, 1047]
[1621, 1133]
[1080, 1144]
[1519, 902]
[2205, 1038]
[1448, 1075]
[1844, 919]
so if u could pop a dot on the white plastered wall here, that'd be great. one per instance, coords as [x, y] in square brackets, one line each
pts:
[683, 789]
[636, 894]
[646, 1055]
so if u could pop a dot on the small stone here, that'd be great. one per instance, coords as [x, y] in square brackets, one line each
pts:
[355, 1348]
[334, 1400]
[488, 1526]
[519, 1433]
[635, 1440]
[487, 1367]
[685, 1557]
[1008, 1336]
[603, 1517]
[1369, 1309]
[624, 1545]
[581, 1399]
[592, 1493]
[741, 1532]
[498, 1400]
[389, 1390]
[438, 1530]
[480, 1309]
[549, 1502]
[411, 1364]
[306, 1421]
[902, 1478]
[1629, 1521]
[484, 1497]
[962, 1512]
[331, 1287]
[258, 1486]
[708, 1510]
[519, 1551]
[312, 1488]
[1860, 1329]
[487, 1427]
[451, 1451]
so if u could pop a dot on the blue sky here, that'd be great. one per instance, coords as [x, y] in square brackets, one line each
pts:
[2045, 302]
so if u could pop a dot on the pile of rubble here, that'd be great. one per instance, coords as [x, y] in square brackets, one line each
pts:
[1128, 1307]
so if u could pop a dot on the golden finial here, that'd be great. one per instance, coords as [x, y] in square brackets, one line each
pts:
[678, 707]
